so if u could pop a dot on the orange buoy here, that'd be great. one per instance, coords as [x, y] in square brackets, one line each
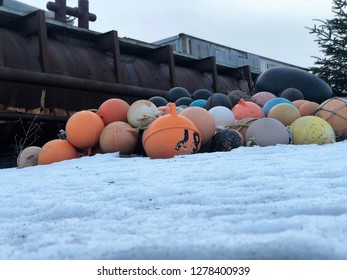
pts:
[83, 129]
[114, 109]
[247, 109]
[170, 135]
[334, 111]
[164, 110]
[203, 120]
[299, 102]
[56, 150]
[307, 108]
[28, 157]
[118, 137]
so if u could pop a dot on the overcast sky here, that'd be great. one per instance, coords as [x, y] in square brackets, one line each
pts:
[271, 28]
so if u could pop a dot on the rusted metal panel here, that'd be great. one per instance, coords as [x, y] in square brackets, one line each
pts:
[163, 54]
[109, 42]
[50, 70]
[89, 89]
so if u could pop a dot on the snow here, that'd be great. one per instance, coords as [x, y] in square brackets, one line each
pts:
[277, 202]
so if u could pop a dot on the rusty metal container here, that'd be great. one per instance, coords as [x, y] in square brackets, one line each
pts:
[50, 69]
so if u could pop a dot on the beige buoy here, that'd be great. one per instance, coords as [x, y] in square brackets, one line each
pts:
[286, 113]
[267, 132]
[28, 157]
[203, 120]
[141, 113]
[118, 137]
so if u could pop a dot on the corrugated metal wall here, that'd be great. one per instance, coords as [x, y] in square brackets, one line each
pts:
[200, 48]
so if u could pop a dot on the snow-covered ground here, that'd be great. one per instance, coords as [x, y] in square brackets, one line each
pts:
[278, 202]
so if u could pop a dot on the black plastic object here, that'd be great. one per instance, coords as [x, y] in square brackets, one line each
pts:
[292, 94]
[277, 79]
[176, 93]
[218, 99]
[236, 95]
[226, 140]
[201, 94]
[158, 101]
[185, 101]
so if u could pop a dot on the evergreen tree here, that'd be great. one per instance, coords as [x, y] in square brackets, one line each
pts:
[332, 38]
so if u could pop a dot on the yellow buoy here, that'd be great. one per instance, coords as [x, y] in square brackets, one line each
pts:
[311, 130]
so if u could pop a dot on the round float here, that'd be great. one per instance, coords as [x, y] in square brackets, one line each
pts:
[158, 101]
[201, 94]
[273, 102]
[292, 94]
[225, 140]
[118, 137]
[247, 109]
[83, 129]
[312, 130]
[334, 111]
[262, 97]
[142, 112]
[222, 116]
[176, 93]
[203, 120]
[285, 113]
[267, 132]
[28, 157]
[113, 109]
[55, 151]
[170, 135]
[218, 99]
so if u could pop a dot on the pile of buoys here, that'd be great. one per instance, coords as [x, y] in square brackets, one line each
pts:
[182, 123]
[87, 132]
